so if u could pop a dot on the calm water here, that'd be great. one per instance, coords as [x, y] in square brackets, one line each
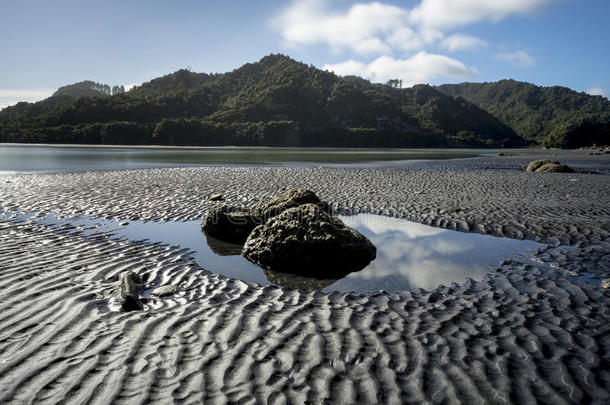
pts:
[409, 255]
[20, 159]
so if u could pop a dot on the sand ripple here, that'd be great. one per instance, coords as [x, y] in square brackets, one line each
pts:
[527, 333]
[532, 331]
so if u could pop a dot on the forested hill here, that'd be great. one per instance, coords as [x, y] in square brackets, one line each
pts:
[88, 88]
[275, 101]
[553, 116]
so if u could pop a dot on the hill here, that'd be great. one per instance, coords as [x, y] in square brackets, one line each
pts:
[275, 101]
[552, 116]
[88, 88]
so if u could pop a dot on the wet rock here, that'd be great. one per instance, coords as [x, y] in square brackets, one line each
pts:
[230, 224]
[131, 285]
[222, 248]
[536, 164]
[296, 282]
[306, 240]
[164, 291]
[234, 224]
[216, 197]
[554, 168]
[287, 199]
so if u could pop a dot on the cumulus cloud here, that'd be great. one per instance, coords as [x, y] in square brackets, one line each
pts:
[420, 68]
[10, 96]
[461, 42]
[378, 28]
[596, 91]
[360, 29]
[368, 30]
[519, 58]
[455, 13]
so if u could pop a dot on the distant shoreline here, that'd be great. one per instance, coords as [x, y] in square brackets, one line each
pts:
[88, 145]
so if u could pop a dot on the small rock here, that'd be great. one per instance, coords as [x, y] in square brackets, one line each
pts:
[554, 168]
[130, 288]
[230, 224]
[124, 223]
[606, 283]
[164, 290]
[534, 165]
[287, 199]
[500, 154]
[216, 197]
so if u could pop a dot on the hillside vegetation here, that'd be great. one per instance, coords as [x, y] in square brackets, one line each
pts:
[552, 116]
[274, 102]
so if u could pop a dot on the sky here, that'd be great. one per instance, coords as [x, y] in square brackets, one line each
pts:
[46, 44]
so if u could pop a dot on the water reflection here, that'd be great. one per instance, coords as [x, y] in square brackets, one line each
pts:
[409, 255]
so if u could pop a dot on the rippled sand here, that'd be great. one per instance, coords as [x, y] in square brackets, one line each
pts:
[531, 331]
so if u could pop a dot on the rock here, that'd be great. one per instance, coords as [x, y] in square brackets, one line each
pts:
[306, 240]
[500, 154]
[230, 224]
[222, 248]
[124, 223]
[534, 165]
[295, 282]
[234, 224]
[606, 283]
[164, 291]
[216, 197]
[554, 168]
[279, 203]
[130, 291]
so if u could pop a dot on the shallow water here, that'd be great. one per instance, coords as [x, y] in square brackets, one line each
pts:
[409, 255]
[16, 159]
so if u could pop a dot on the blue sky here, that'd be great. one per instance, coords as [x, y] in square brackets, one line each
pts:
[49, 43]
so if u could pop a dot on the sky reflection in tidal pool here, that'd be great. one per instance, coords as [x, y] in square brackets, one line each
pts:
[409, 255]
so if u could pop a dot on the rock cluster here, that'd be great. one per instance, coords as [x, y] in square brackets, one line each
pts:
[292, 232]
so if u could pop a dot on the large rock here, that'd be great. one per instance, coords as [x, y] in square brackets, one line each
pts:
[536, 164]
[234, 224]
[230, 224]
[279, 203]
[306, 240]
[554, 168]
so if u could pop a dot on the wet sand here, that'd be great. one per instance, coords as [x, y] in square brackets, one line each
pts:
[530, 331]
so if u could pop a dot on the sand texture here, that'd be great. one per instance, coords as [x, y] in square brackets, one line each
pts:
[531, 331]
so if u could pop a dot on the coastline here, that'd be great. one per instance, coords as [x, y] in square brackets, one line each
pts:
[530, 331]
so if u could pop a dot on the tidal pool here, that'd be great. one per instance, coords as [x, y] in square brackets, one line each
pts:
[409, 255]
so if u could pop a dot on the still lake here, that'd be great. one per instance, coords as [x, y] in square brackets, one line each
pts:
[16, 159]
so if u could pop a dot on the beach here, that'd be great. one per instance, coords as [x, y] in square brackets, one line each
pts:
[530, 331]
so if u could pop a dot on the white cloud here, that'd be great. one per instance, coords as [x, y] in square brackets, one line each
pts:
[596, 91]
[461, 42]
[518, 58]
[374, 28]
[420, 68]
[360, 29]
[10, 96]
[454, 13]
